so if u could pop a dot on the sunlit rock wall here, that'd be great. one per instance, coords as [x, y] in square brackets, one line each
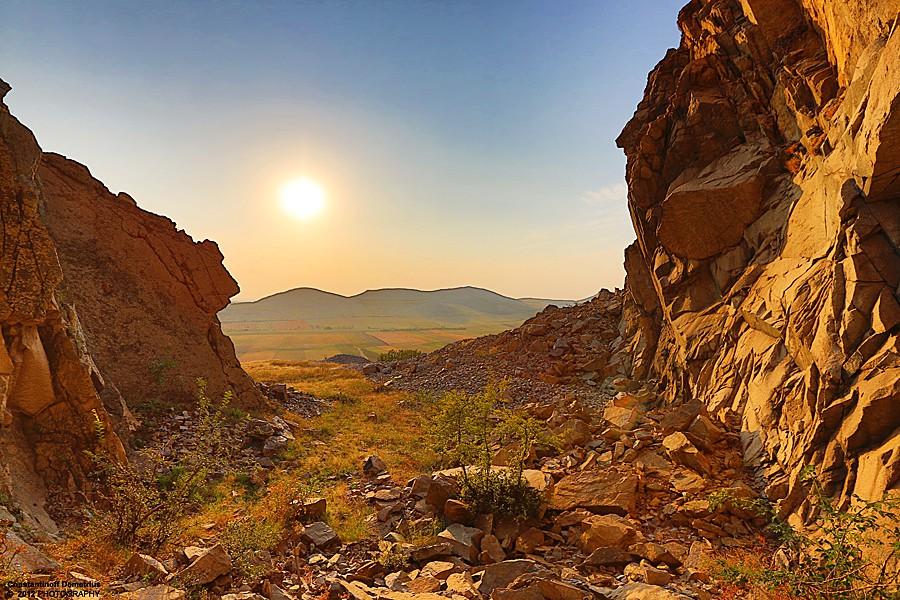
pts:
[764, 188]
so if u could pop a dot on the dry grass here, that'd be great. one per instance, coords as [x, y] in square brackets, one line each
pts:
[90, 552]
[337, 442]
[739, 572]
[327, 451]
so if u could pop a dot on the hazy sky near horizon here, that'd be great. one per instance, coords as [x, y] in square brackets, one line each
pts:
[459, 142]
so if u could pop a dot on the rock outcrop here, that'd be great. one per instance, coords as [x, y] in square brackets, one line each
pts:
[92, 291]
[146, 293]
[764, 188]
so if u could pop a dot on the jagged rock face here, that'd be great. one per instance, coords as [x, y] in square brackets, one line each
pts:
[49, 387]
[92, 291]
[146, 293]
[764, 187]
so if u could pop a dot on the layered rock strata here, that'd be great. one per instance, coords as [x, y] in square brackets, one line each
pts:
[764, 187]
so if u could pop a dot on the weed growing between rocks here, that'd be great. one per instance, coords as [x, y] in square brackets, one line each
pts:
[851, 553]
[141, 503]
[248, 542]
[392, 557]
[8, 553]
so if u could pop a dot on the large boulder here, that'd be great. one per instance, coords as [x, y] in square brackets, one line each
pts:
[606, 491]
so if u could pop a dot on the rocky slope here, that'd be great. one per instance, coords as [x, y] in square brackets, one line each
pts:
[764, 183]
[561, 352]
[93, 290]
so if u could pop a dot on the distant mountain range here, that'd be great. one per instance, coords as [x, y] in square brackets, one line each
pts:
[307, 323]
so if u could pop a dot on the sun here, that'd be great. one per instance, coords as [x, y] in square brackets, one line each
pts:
[302, 198]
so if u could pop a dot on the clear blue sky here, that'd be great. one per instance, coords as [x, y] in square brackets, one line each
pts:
[459, 143]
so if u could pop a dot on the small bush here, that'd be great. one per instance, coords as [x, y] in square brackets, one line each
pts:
[342, 398]
[421, 531]
[392, 557]
[465, 429]
[395, 355]
[142, 502]
[245, 538]
[502, 493]
[160, 367]
[851, 554]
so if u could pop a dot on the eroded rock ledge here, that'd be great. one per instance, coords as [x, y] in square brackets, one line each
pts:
[96, 298]
[764, 187]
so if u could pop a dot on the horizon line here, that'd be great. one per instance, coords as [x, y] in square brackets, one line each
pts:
[404, 289]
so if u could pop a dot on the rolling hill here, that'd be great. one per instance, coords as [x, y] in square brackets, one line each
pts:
[307, 323]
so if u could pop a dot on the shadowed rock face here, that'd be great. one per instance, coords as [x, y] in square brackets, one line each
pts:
[146, 293]
[764, 187]
[93, 290]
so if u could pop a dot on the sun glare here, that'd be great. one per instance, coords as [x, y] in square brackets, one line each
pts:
[302, 198]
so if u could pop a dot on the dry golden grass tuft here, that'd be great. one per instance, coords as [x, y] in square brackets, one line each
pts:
[90, 552]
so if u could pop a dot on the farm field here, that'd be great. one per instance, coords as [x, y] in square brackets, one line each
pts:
[308, 324]
[316, 344]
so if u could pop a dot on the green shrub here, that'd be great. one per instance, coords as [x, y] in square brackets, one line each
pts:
[245, 538]
[395, 355]
[466, 427]
[141, 503]
[160, 367]
[501, 492]
[851, 553]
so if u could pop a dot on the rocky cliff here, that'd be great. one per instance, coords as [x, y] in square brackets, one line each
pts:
[764, 187]
[102, 306]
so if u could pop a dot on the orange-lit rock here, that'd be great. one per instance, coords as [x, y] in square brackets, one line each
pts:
[768, 289]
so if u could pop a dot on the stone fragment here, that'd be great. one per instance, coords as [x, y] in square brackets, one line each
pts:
[143, 567]
[430, 551]
[424, 584]
[23, 557]
[621, 418]
[320, 535]
[529, 539]
[554, 589]
[208, 565]
[462, 584]
[655, 553]
[313, 508]
[647, 574]
[681, 451]
[501, 574]
[606, 491]
[441, 489]
[609, 557]
[397, 581]
[605, 531]
[457, 511]
[491, 550]
[572, 433]
[419, 486]
[645, 591]
[373, 466]
[439, 569]
[155, 592]
[464, 541]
